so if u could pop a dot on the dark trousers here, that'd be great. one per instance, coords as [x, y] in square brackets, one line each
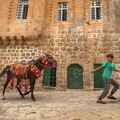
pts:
[107, 83]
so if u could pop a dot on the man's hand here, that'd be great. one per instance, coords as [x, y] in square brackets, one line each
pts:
[117, 70]
[97, 69]
[92, 71]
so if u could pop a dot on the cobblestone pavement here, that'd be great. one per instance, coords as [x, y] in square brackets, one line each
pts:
[69, 105]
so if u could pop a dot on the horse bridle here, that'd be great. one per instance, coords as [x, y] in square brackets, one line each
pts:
[46, 62]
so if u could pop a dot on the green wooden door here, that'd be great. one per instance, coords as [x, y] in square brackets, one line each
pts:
[98, 82]
[49, 77]
[74, 77]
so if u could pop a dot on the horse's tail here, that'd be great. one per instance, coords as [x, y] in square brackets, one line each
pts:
[5, 70]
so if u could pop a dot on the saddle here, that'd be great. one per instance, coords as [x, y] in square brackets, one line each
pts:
[19, 69]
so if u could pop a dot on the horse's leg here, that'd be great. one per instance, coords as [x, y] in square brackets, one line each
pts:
[6, 84]
[22, 96]
[32, 83]
[18, 82]
[26, 93]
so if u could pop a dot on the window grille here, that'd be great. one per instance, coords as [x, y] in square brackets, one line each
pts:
[96, 10]
[22, 9]
[49, 77]
[62, 11]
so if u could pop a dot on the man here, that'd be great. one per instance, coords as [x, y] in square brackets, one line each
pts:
[108, 66]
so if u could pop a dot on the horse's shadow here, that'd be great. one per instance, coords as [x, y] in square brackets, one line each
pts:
[26, 99]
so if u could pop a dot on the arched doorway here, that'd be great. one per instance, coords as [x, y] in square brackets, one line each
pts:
[74, 77]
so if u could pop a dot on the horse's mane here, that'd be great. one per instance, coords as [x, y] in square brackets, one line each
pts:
[35, 61]
[30, 62]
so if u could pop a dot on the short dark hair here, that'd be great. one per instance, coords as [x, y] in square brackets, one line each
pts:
[109, 55]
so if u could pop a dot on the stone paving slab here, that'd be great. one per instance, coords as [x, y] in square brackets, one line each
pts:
[68, 105]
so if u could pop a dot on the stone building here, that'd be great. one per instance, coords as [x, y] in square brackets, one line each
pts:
[78, 33]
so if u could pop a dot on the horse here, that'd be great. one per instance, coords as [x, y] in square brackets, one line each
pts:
[31, 74]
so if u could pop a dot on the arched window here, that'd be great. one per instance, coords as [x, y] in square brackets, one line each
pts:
[49, 77]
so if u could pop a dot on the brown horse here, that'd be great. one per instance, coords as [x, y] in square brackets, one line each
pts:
[38, 64]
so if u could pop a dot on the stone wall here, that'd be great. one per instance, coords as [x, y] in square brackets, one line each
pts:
[79, 40]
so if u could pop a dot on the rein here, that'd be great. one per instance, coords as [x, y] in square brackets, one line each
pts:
[46, 65]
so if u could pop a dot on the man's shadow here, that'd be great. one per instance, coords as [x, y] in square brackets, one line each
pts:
[114, 101]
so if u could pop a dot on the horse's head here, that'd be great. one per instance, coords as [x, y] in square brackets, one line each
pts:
[49, 61]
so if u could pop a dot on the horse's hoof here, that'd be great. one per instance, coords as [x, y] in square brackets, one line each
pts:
[22, 96]
[3, 98]
[33, 99]
[25, 93]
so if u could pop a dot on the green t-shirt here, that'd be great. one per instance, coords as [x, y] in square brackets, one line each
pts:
[108, 69]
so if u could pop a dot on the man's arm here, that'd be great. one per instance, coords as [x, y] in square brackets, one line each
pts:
[117, 70]
[97, 69]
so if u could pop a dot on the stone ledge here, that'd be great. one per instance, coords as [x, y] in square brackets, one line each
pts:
[18, 40]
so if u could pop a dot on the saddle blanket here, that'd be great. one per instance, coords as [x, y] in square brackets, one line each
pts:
[18, 69]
